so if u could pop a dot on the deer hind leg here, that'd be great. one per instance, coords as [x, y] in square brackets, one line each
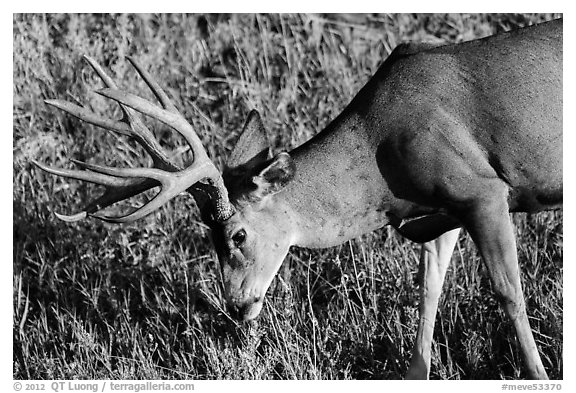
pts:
[491, 229]
[434, 260]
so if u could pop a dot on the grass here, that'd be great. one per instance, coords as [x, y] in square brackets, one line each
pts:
[93, 300]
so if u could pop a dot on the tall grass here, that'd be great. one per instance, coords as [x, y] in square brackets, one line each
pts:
[93, 300]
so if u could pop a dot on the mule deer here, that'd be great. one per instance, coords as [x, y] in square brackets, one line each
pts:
[441, 137]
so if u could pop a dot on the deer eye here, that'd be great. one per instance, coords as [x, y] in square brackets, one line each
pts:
[239, 238]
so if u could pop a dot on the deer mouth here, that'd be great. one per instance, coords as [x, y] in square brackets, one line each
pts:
[247, 311]
[252, 311]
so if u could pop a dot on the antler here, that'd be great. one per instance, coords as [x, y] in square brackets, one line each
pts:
[123, 183]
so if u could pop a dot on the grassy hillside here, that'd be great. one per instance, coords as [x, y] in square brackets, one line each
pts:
[93, 300]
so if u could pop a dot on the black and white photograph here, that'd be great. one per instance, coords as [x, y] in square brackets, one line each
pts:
[366, 196]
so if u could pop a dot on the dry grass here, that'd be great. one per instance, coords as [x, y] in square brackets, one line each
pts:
[143, 301]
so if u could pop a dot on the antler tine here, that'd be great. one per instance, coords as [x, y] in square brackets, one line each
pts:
[101, 73]
[117, 189]
[91, 117]
[154, 86]
[120, 127]
[101, 178]
[111, 196]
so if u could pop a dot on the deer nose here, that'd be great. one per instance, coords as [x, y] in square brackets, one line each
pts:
[244, 311]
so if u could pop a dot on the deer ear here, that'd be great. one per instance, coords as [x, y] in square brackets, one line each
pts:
[275, 176]
[252, 147]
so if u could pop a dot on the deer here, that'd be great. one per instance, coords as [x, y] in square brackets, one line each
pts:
[441, 138]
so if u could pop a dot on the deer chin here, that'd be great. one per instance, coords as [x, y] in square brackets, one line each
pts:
[245, 307]
[252, 311]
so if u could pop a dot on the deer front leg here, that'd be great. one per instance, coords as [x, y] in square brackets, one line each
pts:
[434, 260]
[491, 229]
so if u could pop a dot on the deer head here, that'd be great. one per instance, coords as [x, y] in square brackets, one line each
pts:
[253, 242]
[251, 229]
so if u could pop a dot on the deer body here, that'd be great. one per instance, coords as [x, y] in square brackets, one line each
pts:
[440, 138]
[430, 131]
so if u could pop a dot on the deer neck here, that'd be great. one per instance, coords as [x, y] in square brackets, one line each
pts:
[338, 192]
